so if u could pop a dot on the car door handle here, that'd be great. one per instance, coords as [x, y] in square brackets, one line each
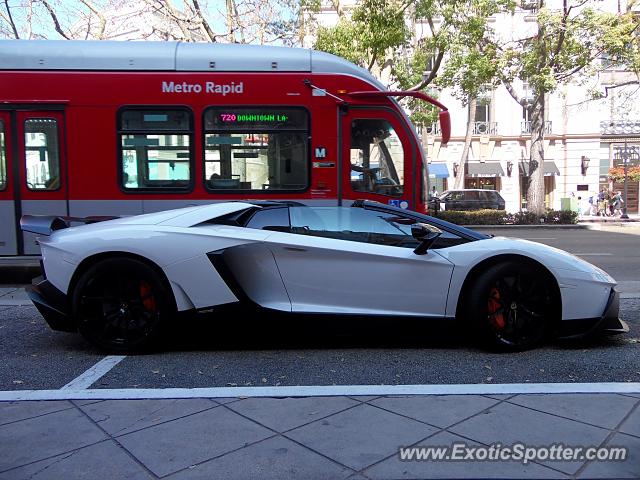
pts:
[295, 249]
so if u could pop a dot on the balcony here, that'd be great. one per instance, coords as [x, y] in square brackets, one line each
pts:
[485, 128]
[433, 129]
[619, 127]
[525, 127]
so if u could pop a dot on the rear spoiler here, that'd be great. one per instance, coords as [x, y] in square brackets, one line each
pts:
[46, 224]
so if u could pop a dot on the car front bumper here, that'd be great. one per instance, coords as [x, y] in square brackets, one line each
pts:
[52, 304]
[609, 323]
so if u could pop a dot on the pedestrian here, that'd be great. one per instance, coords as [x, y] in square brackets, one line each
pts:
[602, 203]
[617, 202]
[434, 192]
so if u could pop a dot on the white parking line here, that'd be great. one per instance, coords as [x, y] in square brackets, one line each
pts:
[320, 391]
[96, 372]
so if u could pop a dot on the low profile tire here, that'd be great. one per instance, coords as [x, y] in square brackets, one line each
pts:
[511, 306]
[121, 305]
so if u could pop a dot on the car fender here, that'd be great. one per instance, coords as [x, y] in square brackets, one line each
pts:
[584, 288]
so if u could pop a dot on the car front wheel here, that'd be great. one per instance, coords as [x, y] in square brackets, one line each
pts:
[120, 305]
[511, 306]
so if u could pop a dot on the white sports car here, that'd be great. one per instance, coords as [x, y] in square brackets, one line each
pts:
[119, 282]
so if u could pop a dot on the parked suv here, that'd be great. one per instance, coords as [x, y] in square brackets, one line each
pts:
[468, 199]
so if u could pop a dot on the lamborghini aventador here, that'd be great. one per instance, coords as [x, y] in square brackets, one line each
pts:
[121, 282]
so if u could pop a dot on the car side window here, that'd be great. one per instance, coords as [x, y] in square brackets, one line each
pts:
[270, 219]
[472, 195]
[360, 225]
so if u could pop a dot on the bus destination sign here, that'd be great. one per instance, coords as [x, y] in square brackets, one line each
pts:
[253, 117]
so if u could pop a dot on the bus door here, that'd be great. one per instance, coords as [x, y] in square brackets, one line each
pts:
[378, 158]
[8, 240]
[40, 163]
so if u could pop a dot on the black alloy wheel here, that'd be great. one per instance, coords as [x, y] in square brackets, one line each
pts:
[511, 306]
[121, 305]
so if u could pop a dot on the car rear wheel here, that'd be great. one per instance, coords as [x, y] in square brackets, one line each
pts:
[120, 305]
[511, 306]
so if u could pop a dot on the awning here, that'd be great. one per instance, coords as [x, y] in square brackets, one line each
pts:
[438, 170]
[484, 169]
[549, 168]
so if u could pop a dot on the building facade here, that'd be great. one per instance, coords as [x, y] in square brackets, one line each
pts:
[583, 138]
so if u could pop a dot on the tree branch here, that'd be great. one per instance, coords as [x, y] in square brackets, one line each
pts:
[203, 20]
[432, 74]
[101, 18]
[620, 85]
[561, 37]
[11, 22]
[512, 91]
[54, 17]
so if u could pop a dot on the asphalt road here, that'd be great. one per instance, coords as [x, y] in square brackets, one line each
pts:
[614, 249]
[321, 351]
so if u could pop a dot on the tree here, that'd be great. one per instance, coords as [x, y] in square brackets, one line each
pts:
[472, 66]
[374, 30]
[455, 52]
[245, 21]
[566, 47]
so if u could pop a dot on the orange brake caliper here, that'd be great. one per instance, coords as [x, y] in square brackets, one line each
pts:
[493, 305]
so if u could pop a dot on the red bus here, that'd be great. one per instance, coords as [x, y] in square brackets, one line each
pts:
[120, 128]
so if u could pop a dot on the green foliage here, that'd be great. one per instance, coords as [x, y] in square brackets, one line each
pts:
[500, 217]
[569, 44]
[408, 72]
[376, 27]
[473, 51]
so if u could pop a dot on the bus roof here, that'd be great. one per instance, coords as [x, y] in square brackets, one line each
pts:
[170, 56]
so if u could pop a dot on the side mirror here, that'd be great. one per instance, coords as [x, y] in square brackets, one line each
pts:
[426, 234]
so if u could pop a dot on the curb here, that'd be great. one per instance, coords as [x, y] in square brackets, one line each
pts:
[543, 226]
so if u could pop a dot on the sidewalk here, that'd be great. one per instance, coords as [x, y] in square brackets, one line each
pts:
[311, 437]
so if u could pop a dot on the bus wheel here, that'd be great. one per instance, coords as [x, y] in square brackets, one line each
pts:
[120, 305]
[510, 306]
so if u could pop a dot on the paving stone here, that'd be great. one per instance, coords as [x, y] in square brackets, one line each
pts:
[603, 410]
[630, 468]
[395, 468]
[275, 458]
[14, 411]
[105, 460]
[632, 424]
[360, 436]
[119, 417]
[283, 414]
[508, 424]
[45, 436]
[438, 410]
[177, 444]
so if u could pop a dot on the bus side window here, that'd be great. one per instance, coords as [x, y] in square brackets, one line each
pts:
[42, 154]
[3, 159]
[156, 149]
[256, 148]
